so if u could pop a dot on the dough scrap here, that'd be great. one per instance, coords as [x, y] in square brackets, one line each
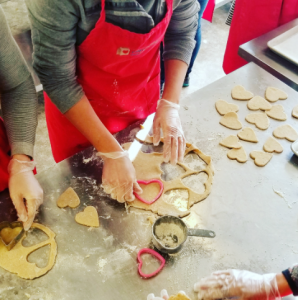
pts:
[248, 134]
[15, 260]
[259, 119]
[273, 94]
[224, 107]
[8, 234]
[277, 113]
[286, 132]
[148, 166]
[240, 93]
[231, 141]
[295, 112]
[230, 120]
[272, 145]
[258, 102]
[180, 296]
[238, 154]
[261, 158]
[68, 198]
[88, 217]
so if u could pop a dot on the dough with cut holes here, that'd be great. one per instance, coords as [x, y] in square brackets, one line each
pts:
[224, 107]
[240, 93]
[286, 132]
[248, 134]
[231, 141]
[258, 102]
[273, 94]
[238, 154]
[261, 158]
[68, 198]
[295, 112]
[180, 296]
[272, 145]
[259, 119]
[88, 217]
[230, 120]
[277, 113]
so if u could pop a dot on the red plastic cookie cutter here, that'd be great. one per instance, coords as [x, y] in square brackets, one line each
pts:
[148, 182]
[156, 255]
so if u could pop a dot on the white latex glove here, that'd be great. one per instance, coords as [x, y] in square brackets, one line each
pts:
[238, 284]
[167, 118]
[163, 296]
[25, 191]
[119, 176]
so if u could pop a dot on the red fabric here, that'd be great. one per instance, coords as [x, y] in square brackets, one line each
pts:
[119, 72]
[253, 18]
[209, 10]
[4, 157]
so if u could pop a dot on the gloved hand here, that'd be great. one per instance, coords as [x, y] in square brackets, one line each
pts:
[239, 285]
[163, 296]
[167, 119]
[25, 191]
[119, 176]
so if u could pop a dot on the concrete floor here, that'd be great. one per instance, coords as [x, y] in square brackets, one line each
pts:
[207, 68]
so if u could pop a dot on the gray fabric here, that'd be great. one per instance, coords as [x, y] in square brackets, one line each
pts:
[18, 97]
[59, 26]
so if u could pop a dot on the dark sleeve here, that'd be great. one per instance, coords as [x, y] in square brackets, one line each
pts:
[291, 276]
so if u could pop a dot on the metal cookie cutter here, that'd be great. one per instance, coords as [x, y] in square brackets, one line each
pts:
[178, 237]
[5, 230]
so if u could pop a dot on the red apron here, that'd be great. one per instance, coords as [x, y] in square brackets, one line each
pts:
[209, 10]
[253, 18]
[4, 157]
[119, 73]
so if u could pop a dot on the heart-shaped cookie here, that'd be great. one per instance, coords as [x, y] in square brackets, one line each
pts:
[88, 217]
[261, 158]
[156, 255]
[148, 182]
[272, 145]
[295, 112]
[277, 113]
[8, 234]
[258, 102]
[224, 107]
[231, 141]
[230, 120]
[240, 93]
[238, 154]
[286, 132]
[273, 94]
[68, 198]
[259, 119]
[248, 134]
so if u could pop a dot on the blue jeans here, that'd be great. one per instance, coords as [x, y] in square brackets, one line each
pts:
[203, 4]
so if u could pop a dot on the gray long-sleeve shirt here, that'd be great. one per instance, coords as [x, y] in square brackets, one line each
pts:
[17, 93]
[59, 26]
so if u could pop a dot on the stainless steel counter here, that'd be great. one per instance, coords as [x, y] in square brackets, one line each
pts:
[256, 229]
[258, 52]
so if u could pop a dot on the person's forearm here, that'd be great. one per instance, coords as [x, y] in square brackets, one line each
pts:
[175, 71]
[283, 286]
[83, 117]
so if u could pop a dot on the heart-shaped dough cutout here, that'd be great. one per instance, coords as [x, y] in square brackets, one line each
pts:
[68, 198]
[88, 217]
[286, 132]
[277, 113]
[231, 121]
[231, 141]
[259, 119]
[273, 94]
[258, 102]
[238, 154]
[272, 145]
[248, 134]
[240, 93]
[180, 296]
[295, 112]
[261, 158]
[146, 182]
[8, 234]
[224, 107]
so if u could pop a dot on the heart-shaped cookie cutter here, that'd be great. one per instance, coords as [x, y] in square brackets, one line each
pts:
[148, 182]
[17, 238]
[156, 255]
